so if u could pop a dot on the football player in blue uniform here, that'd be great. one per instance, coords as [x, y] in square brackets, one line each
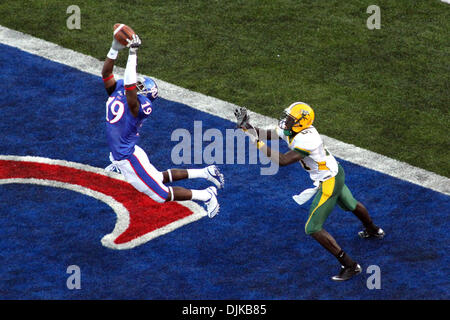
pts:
[128, 106]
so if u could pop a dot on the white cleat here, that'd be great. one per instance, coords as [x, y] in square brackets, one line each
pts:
[215, 176]
[212, 205]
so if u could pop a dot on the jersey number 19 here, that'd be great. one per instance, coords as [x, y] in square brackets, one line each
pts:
[116, 107]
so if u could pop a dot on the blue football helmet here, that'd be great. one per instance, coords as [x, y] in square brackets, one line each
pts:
[147, 87]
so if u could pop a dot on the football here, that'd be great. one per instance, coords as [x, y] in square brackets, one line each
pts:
[122, 32]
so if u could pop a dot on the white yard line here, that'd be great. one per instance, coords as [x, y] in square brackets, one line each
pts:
[224, 110]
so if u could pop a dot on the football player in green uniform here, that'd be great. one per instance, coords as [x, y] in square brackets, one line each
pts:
[307, 148]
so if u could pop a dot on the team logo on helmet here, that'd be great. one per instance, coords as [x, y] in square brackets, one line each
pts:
[147, 87]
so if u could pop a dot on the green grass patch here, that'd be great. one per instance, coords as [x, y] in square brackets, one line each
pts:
[385, 90]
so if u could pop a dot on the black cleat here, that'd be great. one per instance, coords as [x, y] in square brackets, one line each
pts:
[347, 272]
[365, 234]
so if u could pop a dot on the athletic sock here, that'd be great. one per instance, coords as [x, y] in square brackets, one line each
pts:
[201, 195]
[344, 259]
[197, 173]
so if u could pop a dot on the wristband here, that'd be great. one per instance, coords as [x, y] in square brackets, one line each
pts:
[107, 78]
[130, 88]
[112, 54]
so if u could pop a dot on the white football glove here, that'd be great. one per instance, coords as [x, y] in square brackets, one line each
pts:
[116, 45]
[134, 44]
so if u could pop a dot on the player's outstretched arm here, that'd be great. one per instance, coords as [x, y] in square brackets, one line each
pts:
[277, 157]
[283, 159]
[131, 77]
[264, 134]
[108, 66]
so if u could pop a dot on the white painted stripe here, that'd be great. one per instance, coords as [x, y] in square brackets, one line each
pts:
[225, 110]
[118, 28]
[198, 213]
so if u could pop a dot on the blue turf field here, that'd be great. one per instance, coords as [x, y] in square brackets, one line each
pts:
[255, 248]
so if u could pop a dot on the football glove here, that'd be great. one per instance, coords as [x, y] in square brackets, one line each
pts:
[134, 44]
[242, 118]
[116, 45]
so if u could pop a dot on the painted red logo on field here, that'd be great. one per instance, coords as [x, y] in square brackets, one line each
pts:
[139, 218]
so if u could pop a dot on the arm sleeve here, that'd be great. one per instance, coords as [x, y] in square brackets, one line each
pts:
[145, 108]
[130, 70]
